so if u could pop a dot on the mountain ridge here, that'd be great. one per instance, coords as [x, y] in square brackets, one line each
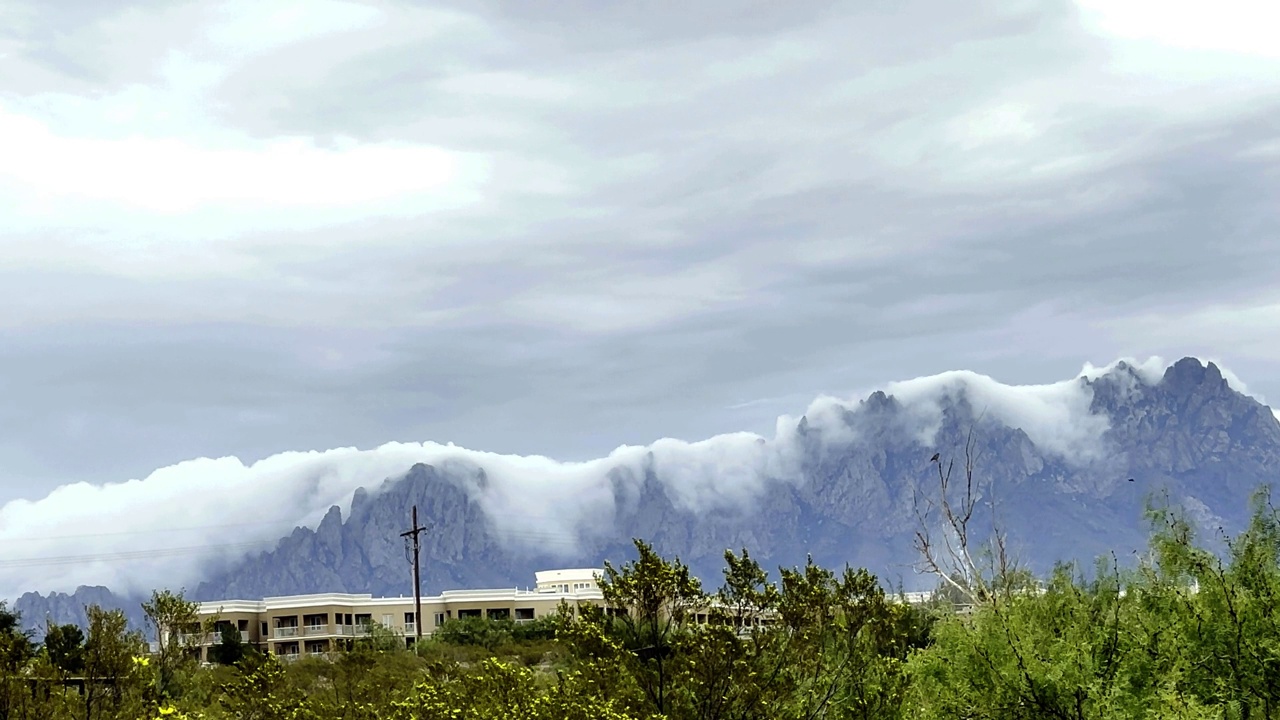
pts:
[835, 488]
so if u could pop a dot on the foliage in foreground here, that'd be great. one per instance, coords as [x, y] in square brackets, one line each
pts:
[1182, 634]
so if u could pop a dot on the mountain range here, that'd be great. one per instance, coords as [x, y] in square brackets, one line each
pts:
[1067, 469]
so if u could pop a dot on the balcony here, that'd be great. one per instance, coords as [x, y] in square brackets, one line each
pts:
[198, 638]
[410, 628]
[286, 631]
[316, 630]
[353, 630]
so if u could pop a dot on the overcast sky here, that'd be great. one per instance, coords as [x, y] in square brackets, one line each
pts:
[242, 228]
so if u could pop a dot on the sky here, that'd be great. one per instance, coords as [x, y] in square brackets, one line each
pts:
[239, 229]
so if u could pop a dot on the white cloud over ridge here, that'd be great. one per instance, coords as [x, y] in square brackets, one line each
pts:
[163, 529]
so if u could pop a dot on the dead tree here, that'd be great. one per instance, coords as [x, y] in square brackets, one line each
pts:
[979, 570]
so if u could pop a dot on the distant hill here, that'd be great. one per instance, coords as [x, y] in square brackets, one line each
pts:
[61, 608]
[1059, 461]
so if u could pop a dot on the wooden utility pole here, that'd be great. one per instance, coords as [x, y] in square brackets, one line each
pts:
[417, 582]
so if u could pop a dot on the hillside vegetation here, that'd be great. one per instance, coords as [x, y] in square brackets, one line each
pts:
[1180, 633]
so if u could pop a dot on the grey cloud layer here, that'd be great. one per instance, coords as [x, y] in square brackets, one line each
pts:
[685, 207]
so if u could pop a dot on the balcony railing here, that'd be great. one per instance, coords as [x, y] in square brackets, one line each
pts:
[287, 631]
[316, 630]
[410, 628]
[353, 630]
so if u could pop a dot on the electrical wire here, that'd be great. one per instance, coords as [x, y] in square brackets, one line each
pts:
[127, 555]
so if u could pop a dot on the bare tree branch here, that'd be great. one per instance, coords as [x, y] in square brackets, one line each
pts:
[979, 571]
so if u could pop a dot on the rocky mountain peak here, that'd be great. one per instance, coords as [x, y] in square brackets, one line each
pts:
[37, 610]
[851, 500]
[1190, 375]
[879, 401]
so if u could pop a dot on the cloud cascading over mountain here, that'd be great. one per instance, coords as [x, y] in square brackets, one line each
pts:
[170, 528]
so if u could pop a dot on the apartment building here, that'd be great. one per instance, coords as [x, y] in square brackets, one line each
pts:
[294, 625]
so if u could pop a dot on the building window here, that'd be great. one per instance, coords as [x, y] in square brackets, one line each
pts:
[409, 618]
[524, 613]
[469, 614]
[439, 619]
[499, 614]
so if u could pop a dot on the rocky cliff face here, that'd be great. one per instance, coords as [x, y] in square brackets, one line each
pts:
[365, 553]
[37, 610]
[851, 500]
[1190, 435]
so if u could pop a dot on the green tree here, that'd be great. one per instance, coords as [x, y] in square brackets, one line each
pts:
[16, 651]
[230, 648]
[178, 630]
[1190, 633]
[113, 660]
[64, 646]
[495, 689]
[478, 631]
[845, 643]
[1217, 618]
[1055, 653]
[380, 639]
[650, 601]
[260, 690]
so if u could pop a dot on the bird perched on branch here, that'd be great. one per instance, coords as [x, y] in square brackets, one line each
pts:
[935, 457]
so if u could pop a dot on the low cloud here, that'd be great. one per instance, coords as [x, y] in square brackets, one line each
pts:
[163, 529]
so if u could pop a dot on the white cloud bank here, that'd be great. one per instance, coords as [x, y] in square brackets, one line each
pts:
[1237, 27]
[161, 530]
[49, 171]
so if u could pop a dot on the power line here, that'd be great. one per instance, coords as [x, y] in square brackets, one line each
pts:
[156, 553]
[280, 521]
[128, 554]
[150, 531]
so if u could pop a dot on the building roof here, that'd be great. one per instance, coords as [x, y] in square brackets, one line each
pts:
[548, 582]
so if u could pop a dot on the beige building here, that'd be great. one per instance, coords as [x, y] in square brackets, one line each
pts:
[295, 625]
